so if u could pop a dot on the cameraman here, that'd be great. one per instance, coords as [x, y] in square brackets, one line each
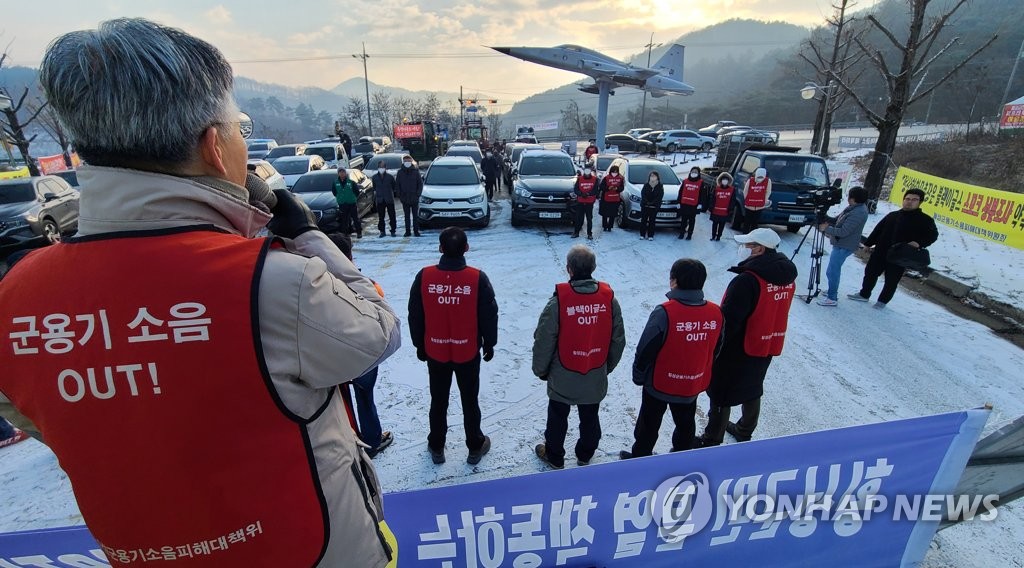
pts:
[844, 232]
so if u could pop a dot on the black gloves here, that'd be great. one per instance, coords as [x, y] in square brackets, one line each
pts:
[488, 353]
[292, 217]
[421, 354]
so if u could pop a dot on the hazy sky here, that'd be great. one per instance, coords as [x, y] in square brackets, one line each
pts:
[433, 45]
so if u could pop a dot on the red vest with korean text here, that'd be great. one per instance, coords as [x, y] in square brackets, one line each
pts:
[613, 188]
[584, 327]
[723, 197]
[586, 189]
[689, 192]
[449, 308]
[683, 366]
[151, 389]
[590, 151]
[756, 195]
[766, 327]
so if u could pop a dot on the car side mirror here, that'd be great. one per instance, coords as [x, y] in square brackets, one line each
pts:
[838, 182]
[47, 197]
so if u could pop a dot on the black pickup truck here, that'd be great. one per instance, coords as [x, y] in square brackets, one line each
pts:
[795, 178]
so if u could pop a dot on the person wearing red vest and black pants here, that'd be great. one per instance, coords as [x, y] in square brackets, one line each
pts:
[720, 201]
[452, 316]
[208, 359]
[673, 359]
[579, 340]
[585, 194]
[690, 202]
[610, 191]
[756, 310]
[757, 192]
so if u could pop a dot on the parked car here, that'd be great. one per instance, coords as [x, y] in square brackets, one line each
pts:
[627, 143]
[601, 162]
[36, 210]
[285, 150]
[259, 149]
[455, 143]
[70, 176]
[453, 190]
[268, 173]
[314, 189]
[733, 129]
[294, 167]
[334, 155]
[367, 149]
[638, 132]
[674, 140]
[713, 130]
[469, 151]
[652, 136]
[392, 161]
[383, 141]
[542, 182]
[515, 151]
[636, 171]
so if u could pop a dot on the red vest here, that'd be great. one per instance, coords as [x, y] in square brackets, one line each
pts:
[689, 192]
[723, 198]
[151, 389]
[757, 194]
[586, 189]
[584, 327]
[590, 151]
[449, 308]
[613, 188]
[683, 366]
[766, 327]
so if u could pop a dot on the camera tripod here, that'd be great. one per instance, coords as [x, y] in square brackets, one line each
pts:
[817, 252]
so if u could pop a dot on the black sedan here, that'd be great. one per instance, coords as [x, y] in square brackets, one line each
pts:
[314, 189]
[36, 210]
[627, 143]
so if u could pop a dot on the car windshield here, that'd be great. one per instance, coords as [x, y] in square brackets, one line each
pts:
[287, 167]
[638, 174]
[390, 162]
[314, 183]
[796, 170]
[363, 147]
[280, 151]
[451, 174]
[326, 153]
[465, 151]
[257, 147]
[516, 152]
[547, 166]
[16, 193]
[603, 163]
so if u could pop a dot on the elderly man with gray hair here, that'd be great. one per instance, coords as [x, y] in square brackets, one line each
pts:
[578, 341]
[209, 359]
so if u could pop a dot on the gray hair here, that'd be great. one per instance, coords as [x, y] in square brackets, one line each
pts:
[136, 92]
[581, 262]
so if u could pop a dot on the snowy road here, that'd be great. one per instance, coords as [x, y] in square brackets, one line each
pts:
[841, 367]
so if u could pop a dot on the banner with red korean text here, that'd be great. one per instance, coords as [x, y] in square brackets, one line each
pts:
[51, 164]
[408, 131]
[1013, 115]
[987, 213]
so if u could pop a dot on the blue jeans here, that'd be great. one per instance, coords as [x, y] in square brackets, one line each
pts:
[835, 269]
[366, 410]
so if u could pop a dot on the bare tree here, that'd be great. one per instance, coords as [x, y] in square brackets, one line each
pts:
[354, 115]
[916, 58]
[12, 127]
[577, 123]
[383, 109]
[49, 122]
[494, 124]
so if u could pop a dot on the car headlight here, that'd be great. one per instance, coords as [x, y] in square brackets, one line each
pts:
[634, 198]
[478, 199]
[521, 191]
[424, 200]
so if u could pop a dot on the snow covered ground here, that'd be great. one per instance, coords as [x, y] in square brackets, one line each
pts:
[841, 366]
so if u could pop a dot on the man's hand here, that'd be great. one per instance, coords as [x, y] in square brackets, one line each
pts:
[292, 217]
[421, 354]
[488, 353]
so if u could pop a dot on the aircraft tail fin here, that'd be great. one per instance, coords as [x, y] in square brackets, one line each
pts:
[671, 64]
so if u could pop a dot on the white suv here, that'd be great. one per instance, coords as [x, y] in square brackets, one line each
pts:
[453, 190]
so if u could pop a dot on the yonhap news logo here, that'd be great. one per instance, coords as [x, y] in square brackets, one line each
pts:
[682, 506]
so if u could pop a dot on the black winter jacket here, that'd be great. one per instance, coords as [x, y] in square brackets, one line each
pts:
[410, 185]
[902, 227]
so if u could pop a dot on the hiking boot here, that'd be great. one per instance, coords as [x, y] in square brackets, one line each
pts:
[681, 236]
[474, 457]
[385, 440]
[580, 462]
[689, 236]
[857, 297]
[381, 236]
[542, 453]
[625, 455]
[408, 234]
[575, 235]
[417, 233]
[393, 234]
[437, 456]
[590, 236]
[879, 305]
[705, 442]
[734, 430]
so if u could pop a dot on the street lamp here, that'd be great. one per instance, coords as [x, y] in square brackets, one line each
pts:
[810, 91]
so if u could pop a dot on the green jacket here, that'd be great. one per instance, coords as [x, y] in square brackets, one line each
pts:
[565, 385]
[346, 193]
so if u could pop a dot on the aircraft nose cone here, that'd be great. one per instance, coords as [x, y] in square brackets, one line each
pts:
[505, 50]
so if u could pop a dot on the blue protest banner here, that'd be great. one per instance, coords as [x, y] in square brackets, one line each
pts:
[861, 496]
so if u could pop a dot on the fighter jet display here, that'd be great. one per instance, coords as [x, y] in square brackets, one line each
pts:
[665, 77]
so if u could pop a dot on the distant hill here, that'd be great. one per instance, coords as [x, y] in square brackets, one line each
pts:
[354, 88]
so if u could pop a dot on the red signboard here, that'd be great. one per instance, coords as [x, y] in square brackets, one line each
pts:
[408, 131]
[1013, 117]
[50, 164]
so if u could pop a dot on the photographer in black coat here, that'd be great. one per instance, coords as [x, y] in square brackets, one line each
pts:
[908, 227]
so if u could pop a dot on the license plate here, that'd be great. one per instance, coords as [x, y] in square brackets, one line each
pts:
[669, 215]
[796, 218]
[544, 215]
[449, 214]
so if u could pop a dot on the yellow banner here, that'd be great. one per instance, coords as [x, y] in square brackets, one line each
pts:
[22, 173]
[988, 213]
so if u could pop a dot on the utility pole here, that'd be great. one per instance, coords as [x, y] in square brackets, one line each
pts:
[1009, 82]
[643, 108]
[366, 82]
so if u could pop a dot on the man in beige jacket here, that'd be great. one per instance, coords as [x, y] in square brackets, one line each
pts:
[224, 440]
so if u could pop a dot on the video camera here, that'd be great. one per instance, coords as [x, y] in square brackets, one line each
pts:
[823, 199]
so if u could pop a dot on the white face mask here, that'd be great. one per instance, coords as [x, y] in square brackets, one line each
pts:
[694, 175]
[406, 164]
[586, 172]
[382, 170]
[743, 253]
[724, 183]
[489, 154]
